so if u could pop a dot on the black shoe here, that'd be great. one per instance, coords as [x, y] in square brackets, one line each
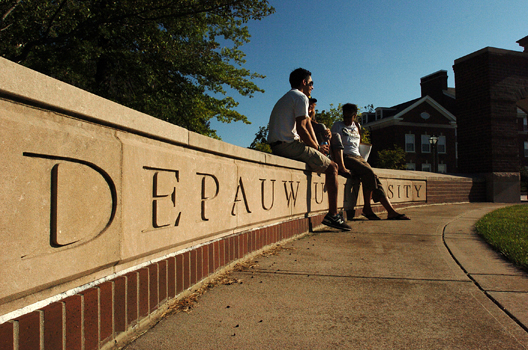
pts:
[371, 216]
[336, 221]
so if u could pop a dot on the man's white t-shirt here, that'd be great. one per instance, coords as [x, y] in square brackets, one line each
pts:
[349, 136]
[282, 125]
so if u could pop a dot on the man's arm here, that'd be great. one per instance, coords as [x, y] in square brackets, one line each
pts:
[311, 130]
[307, 134]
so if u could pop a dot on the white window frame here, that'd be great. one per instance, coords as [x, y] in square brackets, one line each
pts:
[442, 168]
[441, 145]
[425, 144]
[411, 139]
[526, 149]
[411, 166]
[427, 167]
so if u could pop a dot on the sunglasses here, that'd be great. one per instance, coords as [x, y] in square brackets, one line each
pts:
[310, 83]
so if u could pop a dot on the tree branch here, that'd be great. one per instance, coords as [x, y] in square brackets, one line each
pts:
[7, 14]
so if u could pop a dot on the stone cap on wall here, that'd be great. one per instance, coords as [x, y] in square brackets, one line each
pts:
[34, 88]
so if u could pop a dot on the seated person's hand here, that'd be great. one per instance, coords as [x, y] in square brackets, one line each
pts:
[328, 134]
[325, 149]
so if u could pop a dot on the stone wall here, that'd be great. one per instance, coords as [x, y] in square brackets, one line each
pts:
[108, 214]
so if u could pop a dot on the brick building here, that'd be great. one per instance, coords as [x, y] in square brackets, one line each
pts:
[494, 85]
[410, 125]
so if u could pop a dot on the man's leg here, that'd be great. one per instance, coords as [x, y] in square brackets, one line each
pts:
[337, 156]
[369, 180]
[332, 187]
[333, 219]
[372, 184]
[320, 163]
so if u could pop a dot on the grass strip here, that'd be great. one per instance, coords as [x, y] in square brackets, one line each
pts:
[506, 229]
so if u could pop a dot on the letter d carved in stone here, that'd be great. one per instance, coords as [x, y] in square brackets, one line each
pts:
[83, 200]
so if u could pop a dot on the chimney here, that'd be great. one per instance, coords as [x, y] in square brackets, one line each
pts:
[434, 85]
[523, 43]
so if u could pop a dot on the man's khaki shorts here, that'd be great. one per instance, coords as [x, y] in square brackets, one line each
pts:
[316, 161]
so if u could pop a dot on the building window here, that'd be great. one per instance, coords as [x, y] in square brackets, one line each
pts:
[441, 144]
[525, 124]
[426, 146]
[409, 143]
[442, 168]
[426, 167]
[526, 149]
[411, 166]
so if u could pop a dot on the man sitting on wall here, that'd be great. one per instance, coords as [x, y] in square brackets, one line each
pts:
[347, 141]
[291, 135]
[324, 136]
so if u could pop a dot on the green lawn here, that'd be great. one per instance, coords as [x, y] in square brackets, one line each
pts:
[506, 230]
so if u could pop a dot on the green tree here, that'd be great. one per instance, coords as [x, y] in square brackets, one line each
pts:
[160, 57]
[392, 158]
[260, 143]
[328, 118]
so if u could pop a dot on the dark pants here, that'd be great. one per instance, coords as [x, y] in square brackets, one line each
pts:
[359, 167]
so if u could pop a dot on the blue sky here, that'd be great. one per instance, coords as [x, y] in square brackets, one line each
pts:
[366, 52]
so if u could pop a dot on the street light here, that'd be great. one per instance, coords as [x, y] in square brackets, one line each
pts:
[433, 140]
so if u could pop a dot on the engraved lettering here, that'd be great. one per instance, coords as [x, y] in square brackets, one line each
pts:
[240, 188]
[272, 194]
[317, 199]
[399, 194]
[407, 188]
[205, 196]
[292, 194]
[78, 212]
[391, 192]
[164, 197]
[417, 190]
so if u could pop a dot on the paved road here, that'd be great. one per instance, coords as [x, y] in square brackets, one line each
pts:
[428, 283]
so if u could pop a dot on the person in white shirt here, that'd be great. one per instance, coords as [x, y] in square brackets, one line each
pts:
[291, 135]
[346, 137]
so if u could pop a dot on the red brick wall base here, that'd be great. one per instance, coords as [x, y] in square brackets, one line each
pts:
[99, 316]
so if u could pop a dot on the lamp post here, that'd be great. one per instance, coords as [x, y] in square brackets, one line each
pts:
[433, 140]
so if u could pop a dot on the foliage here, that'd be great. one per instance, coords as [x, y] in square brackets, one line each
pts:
[392, 158]
[159, 57]
[260, 143]
[329, 118]
[365, 135]
[506, 229]
[369, 108]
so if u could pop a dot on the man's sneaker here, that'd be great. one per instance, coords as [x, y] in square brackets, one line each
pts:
[336, 221]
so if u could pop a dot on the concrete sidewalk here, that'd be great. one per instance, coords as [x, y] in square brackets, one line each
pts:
[428, 283]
